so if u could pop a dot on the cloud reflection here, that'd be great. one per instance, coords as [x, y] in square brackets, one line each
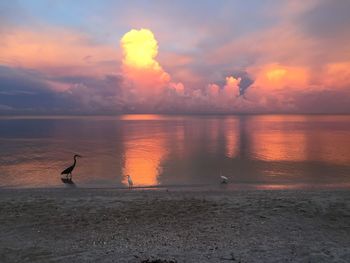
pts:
[176, 150]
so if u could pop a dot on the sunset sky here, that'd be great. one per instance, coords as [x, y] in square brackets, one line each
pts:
[110, 57]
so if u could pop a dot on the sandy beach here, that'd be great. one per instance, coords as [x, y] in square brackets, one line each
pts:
[107, 225]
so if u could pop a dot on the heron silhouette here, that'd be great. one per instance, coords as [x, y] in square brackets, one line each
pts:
[68, 171]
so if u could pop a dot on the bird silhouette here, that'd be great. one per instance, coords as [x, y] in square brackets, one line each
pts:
[68, 171]
[130, 182]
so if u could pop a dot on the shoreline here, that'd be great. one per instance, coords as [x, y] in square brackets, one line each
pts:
[232, 186]
[118, 225]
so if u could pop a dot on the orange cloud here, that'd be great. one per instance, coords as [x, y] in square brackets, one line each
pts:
[289, 88]
[228, 92]
[140, 49]
[281, 88]
[179, 88]
[276, 76]
[231, 89]
[213, 90]
[57, 52]
[140, 67]
[336, 75]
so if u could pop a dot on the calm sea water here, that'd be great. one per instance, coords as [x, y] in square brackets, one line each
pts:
[267, 151]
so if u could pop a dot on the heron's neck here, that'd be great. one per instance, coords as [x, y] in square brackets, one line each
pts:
[75, 160]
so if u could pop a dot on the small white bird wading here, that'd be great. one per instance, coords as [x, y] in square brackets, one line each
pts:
[130, 183]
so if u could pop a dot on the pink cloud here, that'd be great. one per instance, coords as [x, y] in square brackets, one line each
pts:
[56, 51]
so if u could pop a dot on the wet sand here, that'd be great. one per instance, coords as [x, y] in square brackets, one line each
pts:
[105, 225]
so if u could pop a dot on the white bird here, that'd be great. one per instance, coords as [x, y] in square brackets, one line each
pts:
[224, 179]
[130, 182]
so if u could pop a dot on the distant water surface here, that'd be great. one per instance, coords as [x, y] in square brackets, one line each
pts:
[264, 151]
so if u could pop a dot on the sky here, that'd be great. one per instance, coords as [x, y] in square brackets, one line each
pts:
[226, 56]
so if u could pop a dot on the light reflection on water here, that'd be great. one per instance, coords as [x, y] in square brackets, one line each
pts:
[267, 151]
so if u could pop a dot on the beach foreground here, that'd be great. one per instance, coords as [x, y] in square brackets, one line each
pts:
[102, 225]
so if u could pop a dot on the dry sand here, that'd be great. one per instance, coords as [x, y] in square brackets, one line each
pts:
[101, 225]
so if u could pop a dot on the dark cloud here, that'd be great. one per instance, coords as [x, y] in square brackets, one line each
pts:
[24, 90]
[93, 95]
[246, 80]
[27, 91]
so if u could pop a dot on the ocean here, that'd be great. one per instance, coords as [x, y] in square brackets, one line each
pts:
[176, 151]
